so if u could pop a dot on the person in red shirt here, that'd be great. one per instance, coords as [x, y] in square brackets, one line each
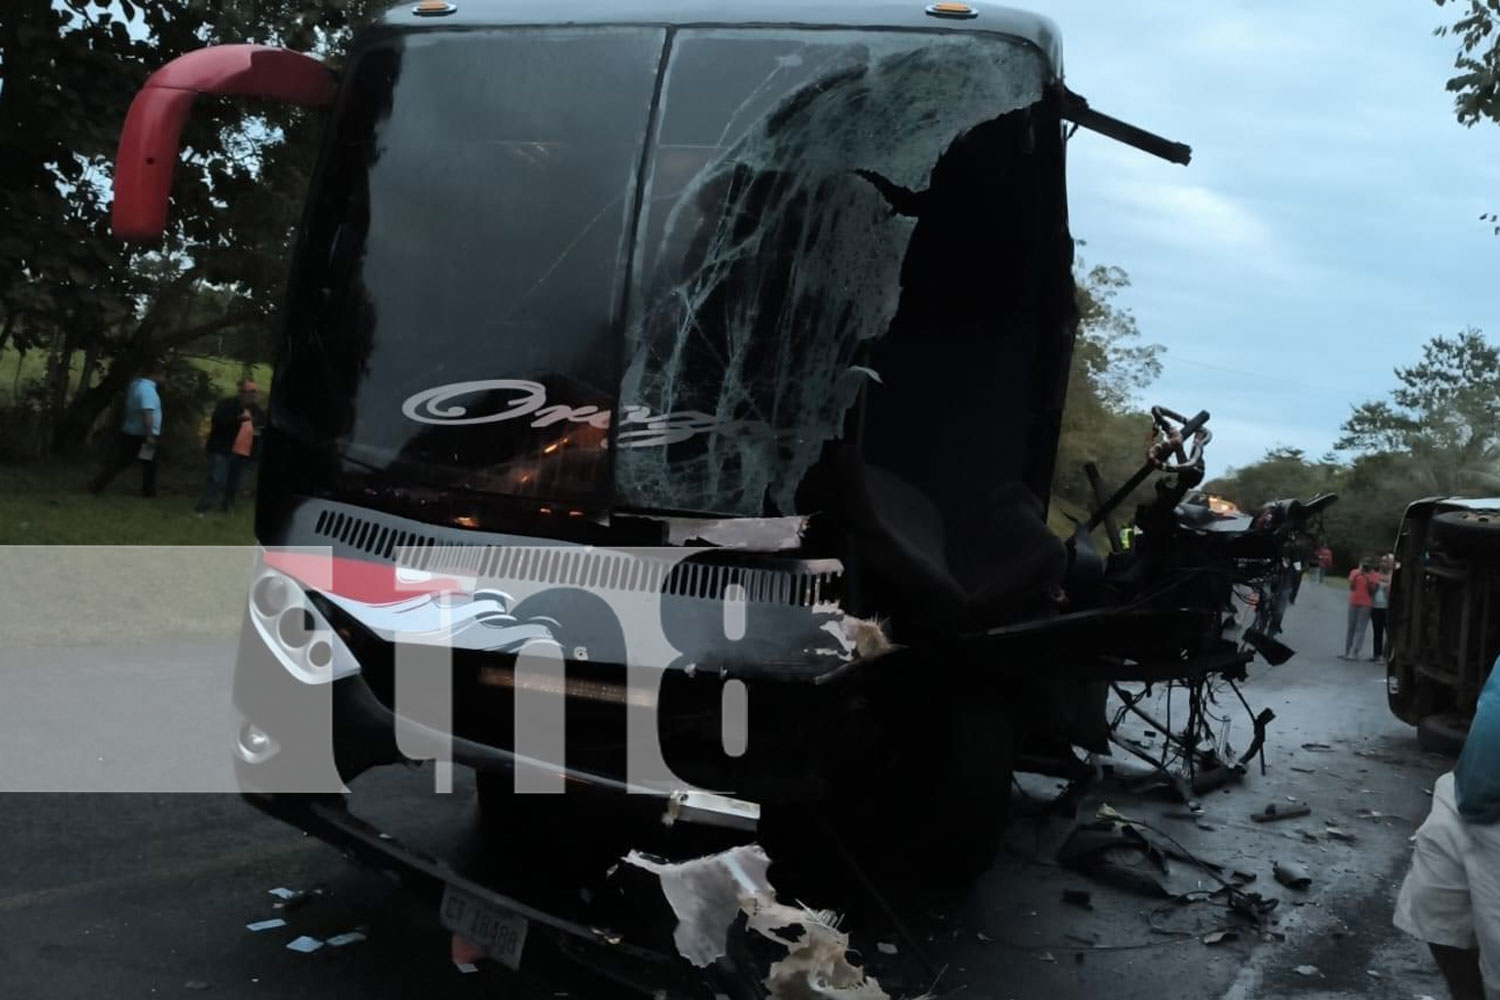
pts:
[1325, 561]
[1363, 583]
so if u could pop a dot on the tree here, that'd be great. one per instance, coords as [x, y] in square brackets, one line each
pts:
[1101, 423]
[1443, 417]
[67, 287]
[1476, 85]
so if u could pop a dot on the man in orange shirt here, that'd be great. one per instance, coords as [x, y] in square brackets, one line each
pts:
[1363, 583]
[233, 435]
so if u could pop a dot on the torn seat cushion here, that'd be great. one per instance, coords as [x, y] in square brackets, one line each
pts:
[999, 569]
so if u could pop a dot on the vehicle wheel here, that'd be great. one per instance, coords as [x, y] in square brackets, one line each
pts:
[1443, 734]
[1469, 531]
[1410, 699]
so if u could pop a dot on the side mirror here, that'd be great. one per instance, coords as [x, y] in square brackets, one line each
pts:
[151, 139]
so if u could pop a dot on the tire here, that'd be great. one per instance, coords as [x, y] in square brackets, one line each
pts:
[1410, 698]
[1443, 734]
[1468, 532]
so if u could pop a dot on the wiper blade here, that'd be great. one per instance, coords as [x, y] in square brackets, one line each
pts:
[1076, 110]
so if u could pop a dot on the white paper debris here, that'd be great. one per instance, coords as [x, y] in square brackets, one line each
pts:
[1306, 970]
[305, 944]
[350, 937]
[466, 967]
[708, 894]
[886, 948]
[265, 925]
[281, 892]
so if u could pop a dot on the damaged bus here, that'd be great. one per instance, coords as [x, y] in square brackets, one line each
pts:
[700, 363]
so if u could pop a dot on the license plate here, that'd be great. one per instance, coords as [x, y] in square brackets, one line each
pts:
[499, 932]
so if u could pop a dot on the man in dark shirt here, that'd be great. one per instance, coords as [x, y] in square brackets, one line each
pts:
[233, 440]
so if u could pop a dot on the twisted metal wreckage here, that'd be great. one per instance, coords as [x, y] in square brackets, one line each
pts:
[767, 317]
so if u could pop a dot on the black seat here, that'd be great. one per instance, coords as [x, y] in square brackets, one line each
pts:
[936, 580]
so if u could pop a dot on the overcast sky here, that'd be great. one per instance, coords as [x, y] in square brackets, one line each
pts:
[1329, 222]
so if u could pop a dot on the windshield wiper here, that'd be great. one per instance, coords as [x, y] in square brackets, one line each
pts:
[1076, 110]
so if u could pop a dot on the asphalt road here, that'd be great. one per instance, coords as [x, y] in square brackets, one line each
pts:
[148, 895]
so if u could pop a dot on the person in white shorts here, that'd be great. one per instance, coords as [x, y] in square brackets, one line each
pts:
[1451, 896]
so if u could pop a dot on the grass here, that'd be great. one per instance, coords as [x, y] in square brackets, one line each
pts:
[49, 505]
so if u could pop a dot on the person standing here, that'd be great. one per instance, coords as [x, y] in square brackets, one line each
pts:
[233, 439]
[139, 432]
[1451, 896]
[1325, 561]
[1379, 603]
[1362, 585]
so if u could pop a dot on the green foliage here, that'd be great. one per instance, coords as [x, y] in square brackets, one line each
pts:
[68, 289]
[1443, 418]
[1476, 85]
[1101, 423]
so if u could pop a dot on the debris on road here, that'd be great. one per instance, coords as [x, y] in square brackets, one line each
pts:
[1318, 747]
[306, 945]
[1219, 937]
[347, 938]
[1293, 876]
[1306, 970]
[885, 948]
[265, 925]
[1272, 813]
[291, 899]
[1339, 834]
[1046, 956]
[708, 894]
[195, 984]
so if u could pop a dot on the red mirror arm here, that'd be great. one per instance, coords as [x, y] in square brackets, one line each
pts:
[150, 141]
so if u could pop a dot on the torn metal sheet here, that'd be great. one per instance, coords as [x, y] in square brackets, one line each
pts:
[708, 894]
[759, 534]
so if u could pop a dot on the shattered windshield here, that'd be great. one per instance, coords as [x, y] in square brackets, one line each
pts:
[771, 246]
[496, 299]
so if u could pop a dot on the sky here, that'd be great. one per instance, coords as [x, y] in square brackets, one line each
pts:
[1329, 222]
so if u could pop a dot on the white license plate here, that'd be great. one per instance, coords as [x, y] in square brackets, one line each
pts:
[499, 932]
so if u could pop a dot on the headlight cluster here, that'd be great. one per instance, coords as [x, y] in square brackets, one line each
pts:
[296, 633]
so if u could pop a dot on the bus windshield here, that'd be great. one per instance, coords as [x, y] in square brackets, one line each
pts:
[629, 267]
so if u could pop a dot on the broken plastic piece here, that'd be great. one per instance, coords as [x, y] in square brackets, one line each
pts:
[305, 944]
[1219, 937]
[1292, 876]
[708, 809]
[284, 893]
[1306, 970]
[265, 925]
[466, 967]
[349, 937]
[885, 948]
[1272, 814]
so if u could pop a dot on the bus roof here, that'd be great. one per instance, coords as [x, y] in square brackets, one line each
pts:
[878, 15]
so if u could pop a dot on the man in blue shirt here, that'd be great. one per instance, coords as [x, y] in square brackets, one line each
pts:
[138, 435]
[1451, 897]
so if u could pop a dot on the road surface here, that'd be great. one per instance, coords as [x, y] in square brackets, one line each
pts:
[148, 895]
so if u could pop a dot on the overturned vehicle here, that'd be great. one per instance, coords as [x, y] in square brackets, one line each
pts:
[1444, 616]
[665, 417]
